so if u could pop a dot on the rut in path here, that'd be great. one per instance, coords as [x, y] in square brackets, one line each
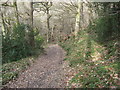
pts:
[46, 72]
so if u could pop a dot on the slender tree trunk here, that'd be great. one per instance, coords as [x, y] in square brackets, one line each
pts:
[32, 43]
[4, 27]
[77, 22]
[16, 12]
[52, 33]
[3, 23]
[90, 13]
[48, 25]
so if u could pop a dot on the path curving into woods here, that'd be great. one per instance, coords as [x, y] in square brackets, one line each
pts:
[47, 72]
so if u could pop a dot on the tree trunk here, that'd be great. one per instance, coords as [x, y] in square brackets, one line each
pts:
[32, 43]
[77, 22]
[48, 25]
[90, 13]
[3, 23]
[4, 27]
[52, 33]
[16, 12]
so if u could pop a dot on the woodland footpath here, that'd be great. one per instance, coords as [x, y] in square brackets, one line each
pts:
[74, 44]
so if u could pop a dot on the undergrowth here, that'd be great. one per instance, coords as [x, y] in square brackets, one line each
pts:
[97, 67]
[10, 71]
[16, 44]
[97, 61]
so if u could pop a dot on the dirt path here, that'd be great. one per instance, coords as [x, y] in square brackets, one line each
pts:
[47, 72]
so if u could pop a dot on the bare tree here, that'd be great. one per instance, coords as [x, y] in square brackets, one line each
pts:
[47, 6]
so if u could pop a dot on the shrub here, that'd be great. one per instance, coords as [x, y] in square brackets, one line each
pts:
[107, 27]
[16, 44]
[38, 41]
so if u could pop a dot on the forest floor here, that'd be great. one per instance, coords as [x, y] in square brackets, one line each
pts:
[49, 71]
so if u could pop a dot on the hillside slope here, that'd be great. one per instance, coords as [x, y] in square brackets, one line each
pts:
[97, 63]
